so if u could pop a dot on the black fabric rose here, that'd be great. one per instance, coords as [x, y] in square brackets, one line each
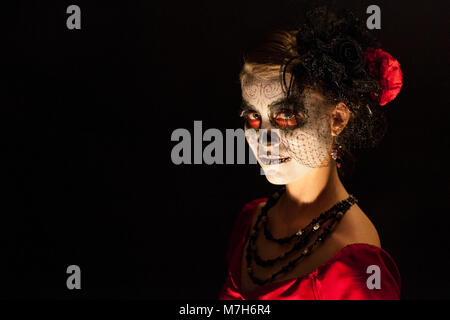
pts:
[348, 52]
[330, 52]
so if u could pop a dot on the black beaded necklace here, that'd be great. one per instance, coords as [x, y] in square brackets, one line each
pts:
[334, 214]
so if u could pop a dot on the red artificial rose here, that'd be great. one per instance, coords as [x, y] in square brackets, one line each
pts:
[387, 69]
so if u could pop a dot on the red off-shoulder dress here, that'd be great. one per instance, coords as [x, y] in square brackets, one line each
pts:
[343, 277]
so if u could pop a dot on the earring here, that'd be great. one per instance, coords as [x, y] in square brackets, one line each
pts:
[336, 154]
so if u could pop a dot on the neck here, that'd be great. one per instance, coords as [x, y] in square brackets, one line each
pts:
[310, 195]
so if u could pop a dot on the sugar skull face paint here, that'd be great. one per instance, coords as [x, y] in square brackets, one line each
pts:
[289, 136]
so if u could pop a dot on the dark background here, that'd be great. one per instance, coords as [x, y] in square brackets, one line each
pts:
[86, 122]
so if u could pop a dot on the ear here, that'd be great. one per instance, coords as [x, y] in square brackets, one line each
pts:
[339, 118]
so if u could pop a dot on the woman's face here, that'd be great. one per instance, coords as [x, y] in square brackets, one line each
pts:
[289, 136]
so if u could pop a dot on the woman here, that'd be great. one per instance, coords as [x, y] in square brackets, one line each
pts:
[310, 97]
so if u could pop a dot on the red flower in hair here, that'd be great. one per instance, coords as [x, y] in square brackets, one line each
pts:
[388, 71]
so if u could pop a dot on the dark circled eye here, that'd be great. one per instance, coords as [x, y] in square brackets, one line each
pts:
[286, 119]
[253, 120]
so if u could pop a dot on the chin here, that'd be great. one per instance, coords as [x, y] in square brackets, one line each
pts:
[280, 179]
[284, 174]
[277, 180]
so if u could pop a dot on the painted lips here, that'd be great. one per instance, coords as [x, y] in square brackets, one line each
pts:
[270, 161]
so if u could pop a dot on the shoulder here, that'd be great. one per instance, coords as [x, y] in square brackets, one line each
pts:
[355, 227]
[358, 257]
[359, 271]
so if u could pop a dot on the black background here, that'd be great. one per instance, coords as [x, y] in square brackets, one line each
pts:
[86, 123]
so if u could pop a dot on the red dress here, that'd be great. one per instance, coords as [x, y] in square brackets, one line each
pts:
[342, 277]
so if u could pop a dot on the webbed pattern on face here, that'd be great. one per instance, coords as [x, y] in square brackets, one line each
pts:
[300, 125]
[306, 137]
[310, 145]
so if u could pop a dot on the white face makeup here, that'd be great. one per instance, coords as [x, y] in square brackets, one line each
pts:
[291, 136]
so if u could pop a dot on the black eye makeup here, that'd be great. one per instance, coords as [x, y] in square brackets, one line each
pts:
[251, 116]
[285, 114]
[286, 119]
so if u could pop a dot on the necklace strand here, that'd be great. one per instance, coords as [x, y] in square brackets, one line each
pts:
[315, 223]
[334, 214]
